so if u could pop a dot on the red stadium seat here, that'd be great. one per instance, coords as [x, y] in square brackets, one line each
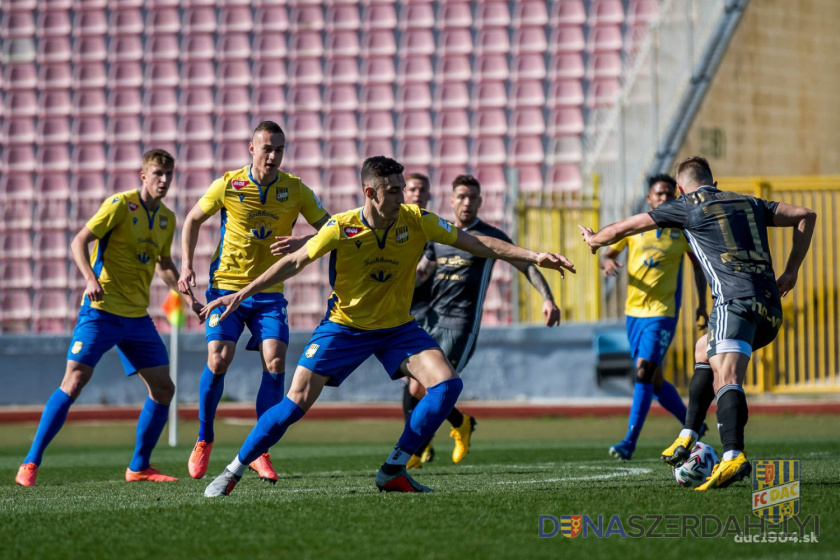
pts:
[379, 43]
[414, 152]
[18, 131]
[54, 49]
[341, 97]
[378, 70]
[306, 45]
[304, 126]
[489, 122]
[340, 126]
[454, 15]
[414, 124]
[160, 129]
[383, 16]
[343, 17]
[162, 21]
[53, 130]
[377, 124]
[451, 123]
[53, 186]
[199, 19]
[306, 18]
[453, 68]
[89, 49]
[128, 48]
[568, 12]
[526, 150]
[529, 40]
[50, 245]
[235, 19]
[342, 44]
[492, 40]
[487, 150]
[379, 97]
[604, 65]
[527, 121]
[415, 69]
[269, 46]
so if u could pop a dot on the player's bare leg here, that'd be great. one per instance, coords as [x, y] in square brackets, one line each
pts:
[150, 425]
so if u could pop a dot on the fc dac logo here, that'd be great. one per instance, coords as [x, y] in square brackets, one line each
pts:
[570, 525]
[775, 495]
[312, 350]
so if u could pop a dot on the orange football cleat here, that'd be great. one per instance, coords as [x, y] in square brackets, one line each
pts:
[26, 474]
[199, 459]
[147, 475]
[265, 469]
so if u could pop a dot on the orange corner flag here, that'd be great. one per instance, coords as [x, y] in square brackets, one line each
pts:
[174, 309]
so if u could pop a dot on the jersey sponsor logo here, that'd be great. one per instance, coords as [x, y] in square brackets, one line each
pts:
[350, 231]
[164, 221]
[143, 257]
[282, 194]
[262, 231]
[132, 206]
[77, 347]
[214, 320]
[239, 184]
[381, 274]
[444, 224]
[312, 350]
[401, 234]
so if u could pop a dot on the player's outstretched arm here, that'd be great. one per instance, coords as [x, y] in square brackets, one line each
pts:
[492, 248]
[81, 256]
[803, 221]
[609, 262]
[549, 308]
[617, 231]
[168, 272]
[285, 245]
[425, 269]
[280, 271]
[189, 238]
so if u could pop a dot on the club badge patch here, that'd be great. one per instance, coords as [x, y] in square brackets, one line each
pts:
[312, 350]
[77, 347]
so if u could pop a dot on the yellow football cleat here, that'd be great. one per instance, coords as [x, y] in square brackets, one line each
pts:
[415, 462]
[727, 472]
[427, 455]
[679, 451]
[462, 435]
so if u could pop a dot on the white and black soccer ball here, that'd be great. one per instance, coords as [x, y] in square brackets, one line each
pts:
[698, 467]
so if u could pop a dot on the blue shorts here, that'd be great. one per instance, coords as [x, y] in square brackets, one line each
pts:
[650, 337]
[265, 315]
[136, 338]
[335, 351]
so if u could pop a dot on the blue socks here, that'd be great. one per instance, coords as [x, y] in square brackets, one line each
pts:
[269, 429]
[152, 420]
[430, 413]
[642, 396]
[210, 390]
[52, 419]
[272, 391]
[671, 401]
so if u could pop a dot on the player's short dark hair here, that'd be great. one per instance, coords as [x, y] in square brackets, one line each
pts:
[419, 177]
[696, 168]
[376, 169]
[157, 156]
[466, 181]
[662, 178]
[268, 126]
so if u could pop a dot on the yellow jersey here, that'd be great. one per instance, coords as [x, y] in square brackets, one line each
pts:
[252, 215]
[372, 272]
[654, 269]
[131, 239]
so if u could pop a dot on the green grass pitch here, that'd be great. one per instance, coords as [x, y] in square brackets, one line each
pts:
[326, 506]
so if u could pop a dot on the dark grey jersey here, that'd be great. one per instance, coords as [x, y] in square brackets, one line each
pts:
[728, 233]
[460, 281]
[422, 297]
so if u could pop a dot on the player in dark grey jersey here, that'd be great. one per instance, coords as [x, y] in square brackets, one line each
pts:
[459, 283]
[728, 234]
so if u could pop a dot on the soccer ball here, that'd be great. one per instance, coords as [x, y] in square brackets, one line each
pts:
[698, 467]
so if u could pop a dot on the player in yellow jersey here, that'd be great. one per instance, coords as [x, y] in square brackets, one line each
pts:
[374, 251]
[259, 204]
[133, 232]
[654, 265]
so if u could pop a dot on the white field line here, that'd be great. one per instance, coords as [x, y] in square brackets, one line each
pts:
[604, 476]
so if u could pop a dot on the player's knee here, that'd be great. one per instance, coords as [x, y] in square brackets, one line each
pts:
[700, 351]
[163, 391]
[74, 381]
[645, 371]
[218, 363]
[276, 365]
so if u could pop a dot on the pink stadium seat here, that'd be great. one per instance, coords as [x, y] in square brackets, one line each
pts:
[451, 96]
[417, 42]
[50, 311]
[55, 76]
[121, 181]
[89, 75]
[451, 124]
[311, 177]
[22, 24]
[88, 102]
[642, 12]
[163, 101]
[124, 102]
[491, 67]
[342, 17]
[234, 73]
[18, 131]
[269, 46]
[527, 121]
[602, 92]
[89, 49]
[196, 128]
[88, 186]
[123, 157]
[195, 184]
[565, 121]
[199, 73]
[531, 178]
[453, 68]
[604, 38]
[125, 75]
[53, 130]
[305, 71]
[568, 12]
[604, 65]
[16, 214]
[527, 94]
[51, 214]
[564, 149]
[442, 178]
[530, 14]
[164, 74]
[50, 245]
[528, 67]
[91, 22]
[306, 18]
[566, 39]
[606, 11]
[54, 49]
[21, 104]
[128, 48]
[196, 101]
[455, 41]
[231, 100]
[235, 19]
[563, 177]
[489, 122]
[342, 71]
[88, 158]
[564, 66]
[383, 16]
[304, 126]
[487, 150]
[526, 150]
[377, 124]
[16, 274]
[340, 126]
[415, 152]
[54, 186]
[565, 93]
[341, 97]
[376, 147]
[414, 124]
[492, 14]
[230, 155]
[18, 159]
[195, 156]
[341, 179]
[16, 244]
[379, 43]
[55, 23]
[161, 48]
[197, 46]
[267, 100]
[233, 128]
[271, 20]
[199, 19]
[378, 70]
[343, 44]
[304, 98]
[492, 40]
[303, 153]
[454, 15]
[489, 95]
[159, 129]
[306, 45]
[492, 178]
[379, 97]
[340, 153]
[267, 73]
[415, 69]
[413, 97]
[162, 21]
[16, 310]
[529, 40]
[126, 21]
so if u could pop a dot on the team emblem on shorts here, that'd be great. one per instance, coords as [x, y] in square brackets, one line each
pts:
[775, 491]
[282, 194]
[77, 347]
[402, 234]
[310, 352]
[214, 320]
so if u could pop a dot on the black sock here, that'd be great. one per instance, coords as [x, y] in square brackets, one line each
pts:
[456, 417]
[391, 469]
[732, 416]
[701, 393]
[409, 402]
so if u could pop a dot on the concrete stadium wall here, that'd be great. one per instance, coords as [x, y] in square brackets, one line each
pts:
[519, 363]
[772, 106]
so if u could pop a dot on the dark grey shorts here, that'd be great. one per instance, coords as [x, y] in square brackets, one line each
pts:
[457, 345]
[743, 325]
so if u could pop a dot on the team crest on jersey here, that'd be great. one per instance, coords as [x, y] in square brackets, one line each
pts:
[282, 194]
[775, 495]
[262, 231]
[77, 347]
[143, 257]
[381, 274]
[239, 184]
[444, 224]
[134, 220]
[350, 231]
[401, 234]
[214, 320]
[164, 221]
[132, 206]
[312, 350]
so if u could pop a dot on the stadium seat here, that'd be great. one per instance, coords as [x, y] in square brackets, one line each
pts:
[453, 68]
[451, 96]
[269, 46]
[527, 94]
[305, 71]
[526, 150]
[380, 97]
[50, 245]
[376, 124]
[378, 43]
[195, 183]
[16, 310]
[341, 188]
[492, 178]
[21, 104]
[231, 100]
[376, 147]
[199, 19]
[564, 177]
[270, 19]
[417, 42]
[564, 149]
[487, 95]
[51, 214]
[414, 124]
[88, 158]
[195, 156]
[606, 12]
[16, 213]
[265, 74]
[529, 40]
[527, 121]
[454, 15]
[56, 103]
[230, 155]
[343, 71]
[235, 19]
[378, 70]
[602, 92]
[50, 311]
[196, 128]
[54, 76]
[492, 40]
[383, 16]
[306, 18]
[22, 24]
[17, 131]
[414, 152]
[162, 21]
[568, 12]
[18, 159]
[415, 69]
[563, 66]
[53, 186]
[491, 67]
[53, 130]
[88, 102]
[164, 74]
[89, 75]
[413, 97]
[16, 243]
[565, 121]
[233, 127]
[304, 98]
[343, 17]
[566, 39]
[641, 12]
[234, 73]
[124, 102]
[487, 150]
[267, 100]
[196, 101]
[306, 45]
[528, 67]
[125, 22]
[451, 123]
[89, 49]
[341, 97]
[530, 178]
[197, 46]
[16, 274]
[197, 73]
[565, 93]
[123, 157]
[530, 14]
[88, 186]
[449, 152]
[492, 14]
[161, 101]
[159, 129]
[339, 153]
[54, 49]
[340, 126]
[604, 38]
[342, 44]
[603, 65]
[161, 48]
[88, 22]
[489, 122]
[303, 153]
[51, 23]
[304, 126]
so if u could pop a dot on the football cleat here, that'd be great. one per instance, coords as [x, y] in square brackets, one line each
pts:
[222, 485]
[26, 474]
[199, 458]
[425, 455]
[400, 482]
[622, 451]
[727, 472]
[462, 435]
[679, 451]
[415, 462]
[147, 475]
[262, 465]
